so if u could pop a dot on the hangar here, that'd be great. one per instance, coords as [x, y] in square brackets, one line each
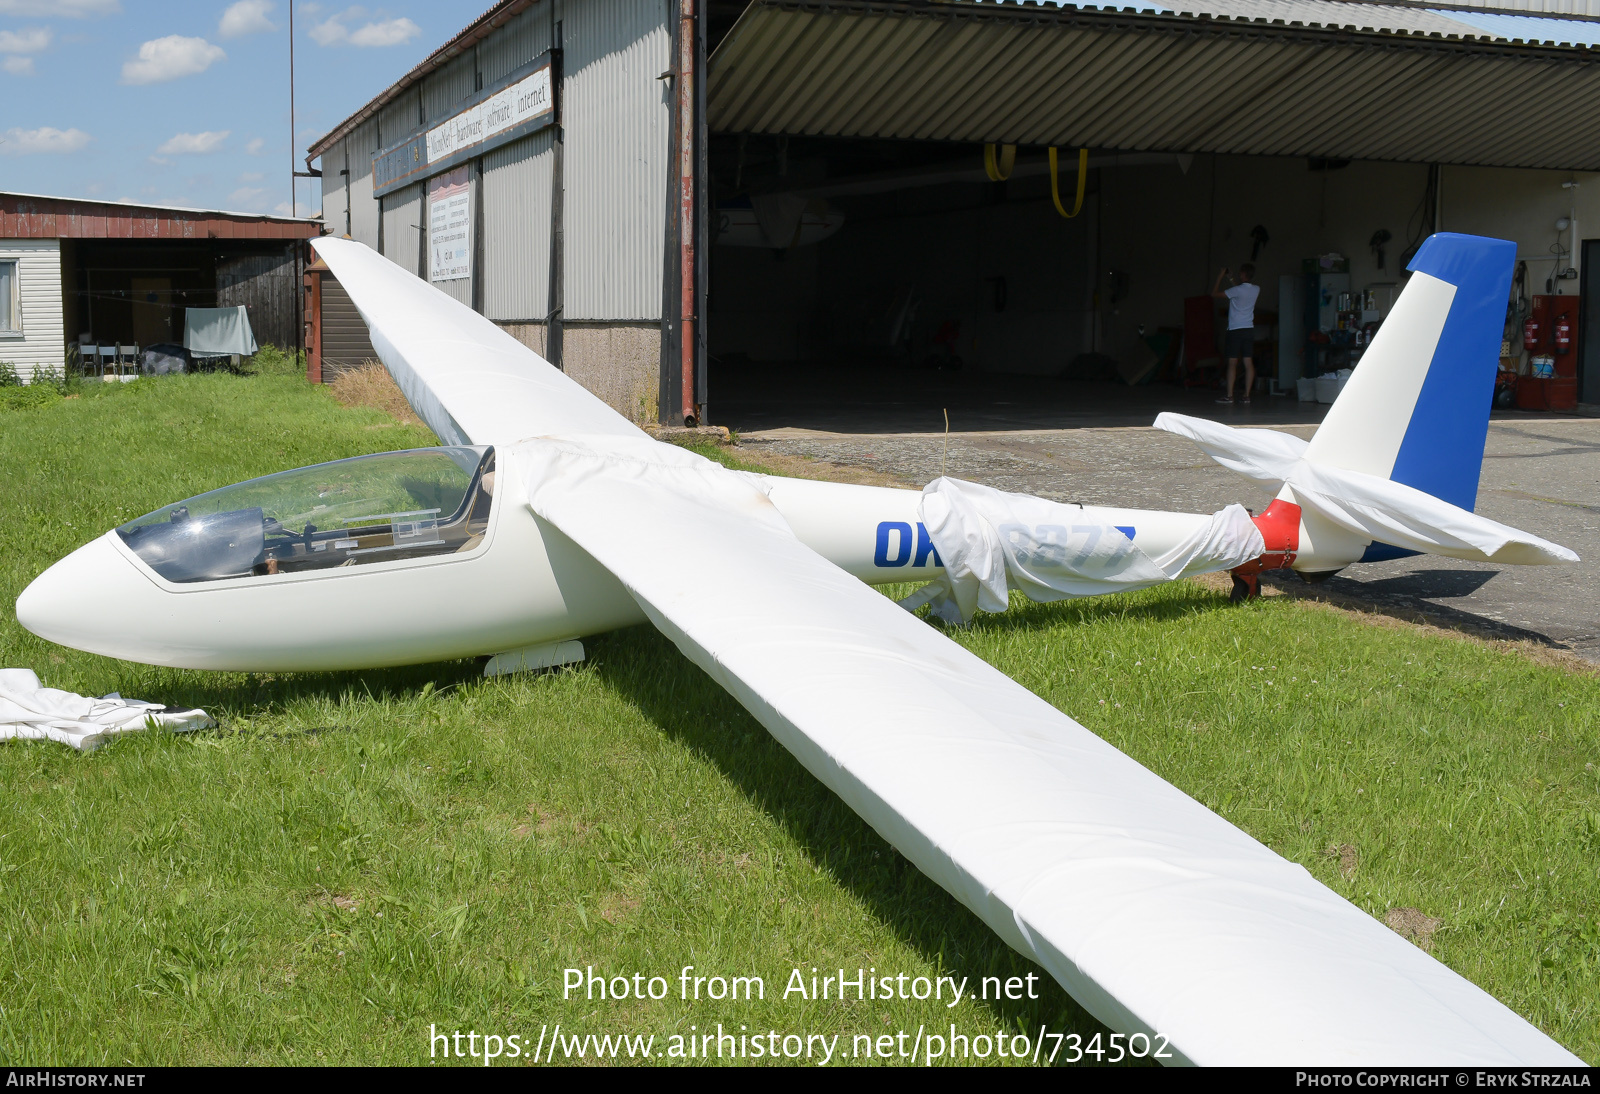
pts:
[720, 210]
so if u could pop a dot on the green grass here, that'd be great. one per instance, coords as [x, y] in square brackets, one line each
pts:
[354, 856]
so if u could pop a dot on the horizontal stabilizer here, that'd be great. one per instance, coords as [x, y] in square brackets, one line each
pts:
[1379, 509]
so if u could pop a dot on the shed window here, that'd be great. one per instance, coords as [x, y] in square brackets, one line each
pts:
[10, 312]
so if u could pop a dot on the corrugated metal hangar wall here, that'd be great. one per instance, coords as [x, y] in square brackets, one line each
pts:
[614, 121]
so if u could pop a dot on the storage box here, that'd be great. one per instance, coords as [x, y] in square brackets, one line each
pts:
[1560, 393]
[1305, 389]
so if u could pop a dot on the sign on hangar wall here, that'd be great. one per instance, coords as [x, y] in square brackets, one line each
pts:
[516, 106]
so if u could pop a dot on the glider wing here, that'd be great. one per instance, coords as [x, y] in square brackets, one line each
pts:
[468, 379]
[1154, 912]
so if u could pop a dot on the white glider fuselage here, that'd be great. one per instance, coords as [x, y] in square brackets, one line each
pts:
[522, 583]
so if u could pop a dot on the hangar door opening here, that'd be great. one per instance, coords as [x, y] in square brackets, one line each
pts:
[889, 279]
[861, 245]
[870, 285]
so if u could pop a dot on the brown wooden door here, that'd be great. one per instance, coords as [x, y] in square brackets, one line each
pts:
[153, 311]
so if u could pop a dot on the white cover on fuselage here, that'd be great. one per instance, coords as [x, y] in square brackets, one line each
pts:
[992, 541]
[1155, 913]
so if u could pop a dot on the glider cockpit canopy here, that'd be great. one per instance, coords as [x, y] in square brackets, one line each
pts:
[408, 504]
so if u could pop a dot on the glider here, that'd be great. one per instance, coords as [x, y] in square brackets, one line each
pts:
[546, 516]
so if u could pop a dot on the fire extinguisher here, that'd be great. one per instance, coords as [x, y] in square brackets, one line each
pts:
[1531, 334]
[1562, 335]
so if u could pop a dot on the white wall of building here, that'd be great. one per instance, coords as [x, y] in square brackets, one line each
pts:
[40, 347]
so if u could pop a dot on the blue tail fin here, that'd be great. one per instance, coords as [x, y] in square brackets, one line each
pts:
[1416, 409]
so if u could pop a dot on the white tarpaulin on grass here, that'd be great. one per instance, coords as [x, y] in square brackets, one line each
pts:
[32, 712]
[1379, 509]
[992, 541]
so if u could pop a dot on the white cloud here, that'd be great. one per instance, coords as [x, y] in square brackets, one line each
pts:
[335, 31]
[191, 144]
[284, 209]
[246, 197]
[387, 32]
[246, 17]
[32, 40]
[255, 146]
[169, 58]
[18, 66]
[330, 33]
[61, 9]
[252, 176]
[24, 142]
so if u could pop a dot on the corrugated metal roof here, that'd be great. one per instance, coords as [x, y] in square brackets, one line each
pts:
[1310, 13]
[1280, 77]
[1397, 18]
[39, 216]
[1570, 9]
[1330, 13]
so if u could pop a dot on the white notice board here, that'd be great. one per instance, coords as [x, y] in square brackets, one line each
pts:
[450, 226]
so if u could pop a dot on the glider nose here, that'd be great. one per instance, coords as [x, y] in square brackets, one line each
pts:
[78, 601]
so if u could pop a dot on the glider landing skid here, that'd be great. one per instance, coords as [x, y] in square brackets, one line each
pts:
[547, 655]
[1280, 528]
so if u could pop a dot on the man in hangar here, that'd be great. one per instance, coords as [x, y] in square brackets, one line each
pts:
[1240, 341]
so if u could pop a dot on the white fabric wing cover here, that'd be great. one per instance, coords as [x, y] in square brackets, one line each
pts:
[31, 711]
[1155, 913]
[1379, 509]
[991, 541]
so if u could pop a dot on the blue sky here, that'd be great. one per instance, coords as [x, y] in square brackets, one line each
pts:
[187, 103]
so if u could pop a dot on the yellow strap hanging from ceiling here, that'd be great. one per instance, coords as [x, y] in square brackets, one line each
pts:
[998, 168]
[1083, 181]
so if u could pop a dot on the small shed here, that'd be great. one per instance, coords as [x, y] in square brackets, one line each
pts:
[116, 273]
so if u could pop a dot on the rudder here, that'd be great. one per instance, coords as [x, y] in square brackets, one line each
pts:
[1416, 409]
